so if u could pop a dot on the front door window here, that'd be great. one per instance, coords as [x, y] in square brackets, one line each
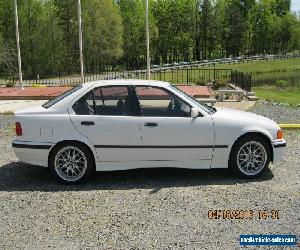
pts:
[158, 102]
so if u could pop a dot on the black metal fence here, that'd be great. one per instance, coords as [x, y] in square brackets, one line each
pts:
[241, 80]
[200, 76]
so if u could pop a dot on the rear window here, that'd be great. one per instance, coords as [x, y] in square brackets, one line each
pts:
[60, 97]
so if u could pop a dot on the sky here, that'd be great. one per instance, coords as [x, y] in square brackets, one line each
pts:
[295, 5]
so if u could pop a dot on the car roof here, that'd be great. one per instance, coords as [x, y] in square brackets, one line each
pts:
[127, 82]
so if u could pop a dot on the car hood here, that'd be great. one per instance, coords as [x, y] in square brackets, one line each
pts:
[244, 117]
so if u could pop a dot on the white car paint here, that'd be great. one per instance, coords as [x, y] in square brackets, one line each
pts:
[201, 142]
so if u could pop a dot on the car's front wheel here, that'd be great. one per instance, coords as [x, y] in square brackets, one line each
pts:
[250, 156]
[71, 163]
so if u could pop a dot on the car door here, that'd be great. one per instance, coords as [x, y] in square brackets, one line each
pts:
[106, 116]
[169, 133]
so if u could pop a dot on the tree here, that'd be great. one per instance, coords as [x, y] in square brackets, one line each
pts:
[281, 7]
[102, 33]
[7, 58]
[260, 27]
[295, 37]
[132, 12]
[176, 29]
[234, 27]
[206, 30]
[288, 25]
[68, 23]
[114, 32]
[7, 37]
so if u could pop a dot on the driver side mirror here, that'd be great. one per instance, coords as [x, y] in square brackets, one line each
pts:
[194, 112]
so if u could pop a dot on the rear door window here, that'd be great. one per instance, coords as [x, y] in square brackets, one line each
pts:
[108, 101]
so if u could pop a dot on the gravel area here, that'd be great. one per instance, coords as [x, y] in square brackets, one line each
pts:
[278, 113]
[142, 209]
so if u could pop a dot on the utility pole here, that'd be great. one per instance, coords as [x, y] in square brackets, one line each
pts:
[18, 45]
[80, 42]
[147, 40]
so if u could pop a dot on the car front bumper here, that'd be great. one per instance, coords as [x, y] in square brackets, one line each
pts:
[35, 153]
[278, 149]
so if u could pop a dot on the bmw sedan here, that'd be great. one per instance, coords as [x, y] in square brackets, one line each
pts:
[126, 124]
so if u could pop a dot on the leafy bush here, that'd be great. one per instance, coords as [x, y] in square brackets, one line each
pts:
[281, 84]
[36, 85]
[10, 84]
[7, 113]
[200, 83]
[219, 83]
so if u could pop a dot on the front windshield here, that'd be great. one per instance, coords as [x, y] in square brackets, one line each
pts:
[208, 109]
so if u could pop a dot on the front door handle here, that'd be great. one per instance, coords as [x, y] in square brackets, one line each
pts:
[87, 123]
[150, 124]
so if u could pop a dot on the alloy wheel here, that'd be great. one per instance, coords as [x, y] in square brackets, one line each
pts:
[70, 163]
[251, 158]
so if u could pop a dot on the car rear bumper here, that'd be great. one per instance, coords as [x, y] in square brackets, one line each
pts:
[278, 149]
[35, 153]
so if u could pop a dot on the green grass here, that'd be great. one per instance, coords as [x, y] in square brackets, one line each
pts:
[257, 67]
[273, 94]
[266, 74]
[196, 76]
[269, 72]
[263, 72]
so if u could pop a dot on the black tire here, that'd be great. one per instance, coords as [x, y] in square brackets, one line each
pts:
[88, 165]
[233, 163]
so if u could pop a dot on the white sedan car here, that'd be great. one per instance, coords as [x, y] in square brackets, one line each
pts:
[127, 124]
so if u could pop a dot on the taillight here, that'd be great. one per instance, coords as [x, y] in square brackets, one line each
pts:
[19, 131]
[279, 134]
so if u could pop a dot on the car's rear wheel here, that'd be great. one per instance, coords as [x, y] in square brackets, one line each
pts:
[71, 163]
[250, 156]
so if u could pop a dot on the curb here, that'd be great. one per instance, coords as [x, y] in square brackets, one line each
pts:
[289, 126]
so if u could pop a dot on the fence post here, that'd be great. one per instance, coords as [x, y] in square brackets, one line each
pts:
[214, 74]
[187, 76]
[250, 82]
[243, 81]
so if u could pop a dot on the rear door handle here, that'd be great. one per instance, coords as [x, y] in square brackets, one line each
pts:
[87, 123]
[150, 124]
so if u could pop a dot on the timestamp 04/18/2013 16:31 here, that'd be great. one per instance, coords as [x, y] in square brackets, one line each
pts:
[243, 214]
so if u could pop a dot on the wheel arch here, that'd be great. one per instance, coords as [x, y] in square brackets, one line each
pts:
[72, 142]
[257, 133]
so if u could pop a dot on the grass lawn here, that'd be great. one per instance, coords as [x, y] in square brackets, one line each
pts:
[270, 93]
[257, 67]
[195, 76]
[263, 72]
